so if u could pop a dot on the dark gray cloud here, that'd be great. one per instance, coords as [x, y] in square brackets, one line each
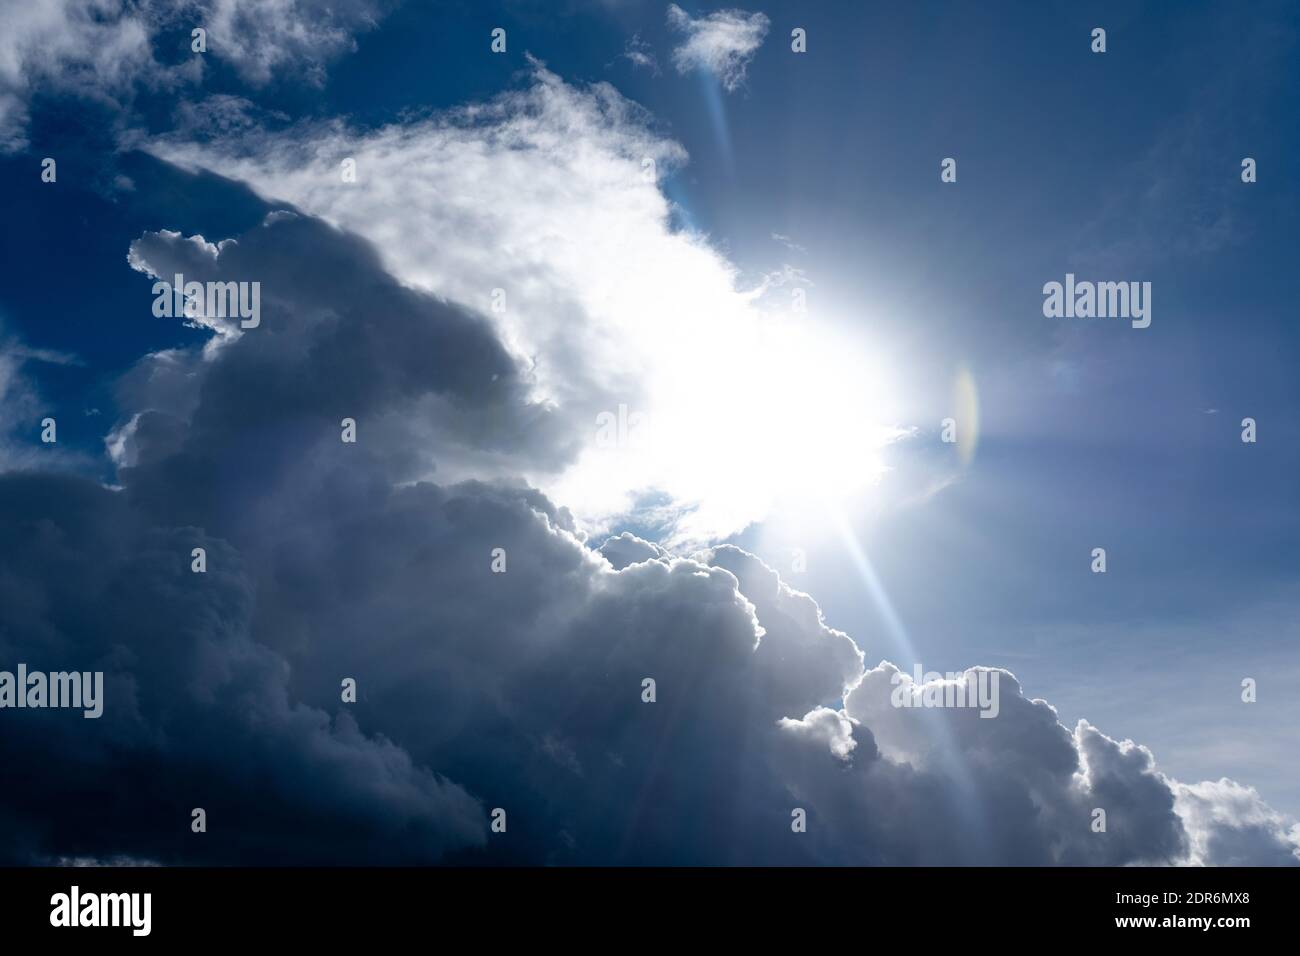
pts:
[196, 712]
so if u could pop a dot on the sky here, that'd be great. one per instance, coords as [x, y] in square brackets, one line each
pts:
[679, 318]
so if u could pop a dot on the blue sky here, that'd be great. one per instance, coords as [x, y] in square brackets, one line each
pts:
[1115, 167]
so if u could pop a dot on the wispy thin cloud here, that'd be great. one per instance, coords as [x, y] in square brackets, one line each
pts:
[640, 54]
[722, 43]
[788, 242]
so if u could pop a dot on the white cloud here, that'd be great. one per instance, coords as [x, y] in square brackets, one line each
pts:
[721, 43]
[105, 49]
[788, 242]
[543, 192]
[261, 37]
[93, 48]
[640, 54]
[1231, 825]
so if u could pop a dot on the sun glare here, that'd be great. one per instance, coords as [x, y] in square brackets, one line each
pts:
[788, 412]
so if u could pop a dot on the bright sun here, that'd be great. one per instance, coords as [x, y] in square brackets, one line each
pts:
[736, 423]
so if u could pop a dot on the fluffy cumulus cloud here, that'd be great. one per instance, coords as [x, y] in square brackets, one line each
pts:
[1230, 825]
[622, 701]
[722, 43]
[108, 49]
[196, 712]
[544, 210]
[521, 690]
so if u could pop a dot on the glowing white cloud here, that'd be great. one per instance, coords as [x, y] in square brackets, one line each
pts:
[720, 400]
